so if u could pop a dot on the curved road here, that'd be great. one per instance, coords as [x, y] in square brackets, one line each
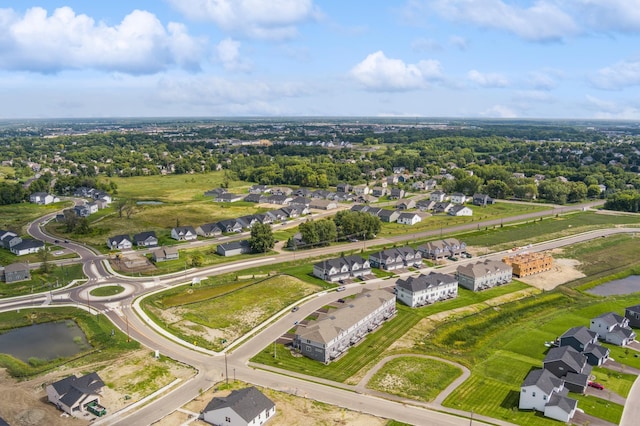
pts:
[211, 368]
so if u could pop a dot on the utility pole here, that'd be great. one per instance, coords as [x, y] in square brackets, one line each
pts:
[226, 370]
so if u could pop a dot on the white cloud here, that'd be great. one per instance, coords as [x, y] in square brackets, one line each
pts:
[607, 15]
[459, 42]
[542, 21]
[487, 79]
[618, 76]
[139, 44]
[499, 111]
[377, 72]
[604, 109]
[228, 51]
[262, 19]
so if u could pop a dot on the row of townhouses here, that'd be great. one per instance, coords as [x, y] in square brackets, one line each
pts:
[389, 216]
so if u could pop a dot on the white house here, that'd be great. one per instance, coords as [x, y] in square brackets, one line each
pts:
[244, 407]
[120, 242]
[458, 198]
[460, 210]
[543, 391]
[42, 198]
[438, 196]
[409, 218]
[73, 394]
[613, 328]
[184, 233]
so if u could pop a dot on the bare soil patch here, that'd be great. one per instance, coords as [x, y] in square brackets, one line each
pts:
[24, 403]
[562, 271]
[131, 263]
[291, 410]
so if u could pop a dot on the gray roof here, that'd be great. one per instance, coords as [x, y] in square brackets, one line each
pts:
[566, 404]
[339, 261]
[598, 351]
[235, 245]
[16, 267]
[576, 379]
[611, 318]
[623, 332]
[544, 379]
[72, 388]
[423, 282]
[328, 326]
[28, 244]
[143, 236]
[481, 269]
[572, 358]
[582, 334]
[248, 403]
[635, 308]
[119, 238]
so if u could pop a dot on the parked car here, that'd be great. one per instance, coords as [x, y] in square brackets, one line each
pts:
[453, 259]
[417, 265]
[596, 385]
[341, 288]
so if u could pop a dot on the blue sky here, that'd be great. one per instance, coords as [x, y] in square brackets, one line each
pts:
[405, 58]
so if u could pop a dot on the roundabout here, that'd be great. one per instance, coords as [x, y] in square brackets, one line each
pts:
[107, 291]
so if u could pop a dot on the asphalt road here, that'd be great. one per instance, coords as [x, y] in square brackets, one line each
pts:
[211, 368]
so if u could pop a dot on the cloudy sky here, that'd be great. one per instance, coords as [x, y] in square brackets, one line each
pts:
[406, 58]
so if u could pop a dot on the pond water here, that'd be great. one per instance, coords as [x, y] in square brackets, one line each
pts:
[45, 341]
[152, 203]
[628, 285]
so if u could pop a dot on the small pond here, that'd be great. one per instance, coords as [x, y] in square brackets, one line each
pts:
[628, 285]
[45, 341]
[151, 203]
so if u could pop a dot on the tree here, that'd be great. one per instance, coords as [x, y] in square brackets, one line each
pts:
[593, 191]
[261, 239]
[197, 260]
[45, 257]
[356, 224]
[498, 189]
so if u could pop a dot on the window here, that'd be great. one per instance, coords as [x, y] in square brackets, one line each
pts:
[227, 419]
[533, 394]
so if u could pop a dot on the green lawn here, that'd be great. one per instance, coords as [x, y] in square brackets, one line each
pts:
[231, 310]
[41, 282]
[108, 290]
[600, 408]
[15, 217]
[414, 377]
[613, 381]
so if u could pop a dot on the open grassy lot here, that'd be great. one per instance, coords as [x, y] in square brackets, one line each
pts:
[15, 217]
[98, 332]
[6, 172]
[41, 282]
[218, 315]
[413, 377]
[499, 238]
[605, 256]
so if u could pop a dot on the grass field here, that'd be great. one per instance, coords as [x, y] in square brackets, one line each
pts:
[98, 332]
[229, 310]
[108, 290]
[414, 377]
[15, 217]
[41, 282]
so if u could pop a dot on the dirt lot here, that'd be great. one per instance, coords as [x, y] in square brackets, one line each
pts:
[291, 410]
[562, 271]
[24, 403]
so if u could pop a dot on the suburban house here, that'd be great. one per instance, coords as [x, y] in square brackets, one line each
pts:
[482, 200]
[184, 233]
[390, 216]
[526, 264]
[406, 204]
[425, 204]
[361, 190]
[596, 354]
[613, 328]
[379, 191]
[323, 204]
[27, 247]
[563, 360]
[82, 210]
[332, 333]
[42, 198]
[258, 189]
[74, 395]
[632, 314]
[230, 225]
[146, 239]
[426, 289]
[484, 275]
[342, 268]
[120, 242]
[436, 250]
[437, 196]
[9, 239]
[215, 192]
[442, 207]
[395, 258]
[407, 218]
[396, 193]
[253, 198]
[209, 230]
[234, 248]
[343, 187]
[578, 338]
[544, 392]
[228, 197]
[165, 253]
[15, 272]
[460, 210]
[458, 198]
[243, 407]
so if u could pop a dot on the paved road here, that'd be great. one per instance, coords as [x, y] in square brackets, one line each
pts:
[212, 367]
